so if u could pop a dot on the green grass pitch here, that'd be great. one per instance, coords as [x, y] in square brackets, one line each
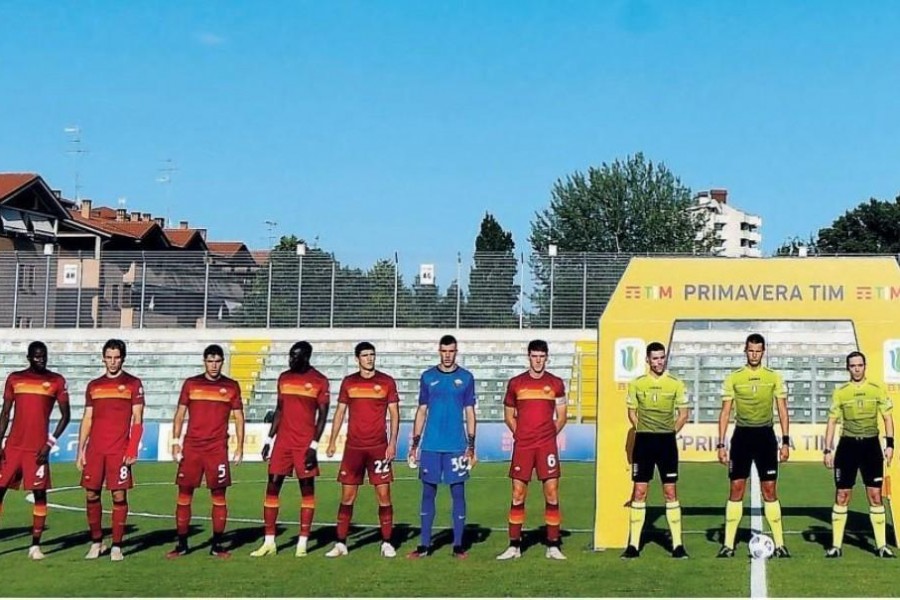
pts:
[806, 492]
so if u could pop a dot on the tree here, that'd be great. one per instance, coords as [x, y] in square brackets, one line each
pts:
[873, 227]
[627, 207]
[493, 292]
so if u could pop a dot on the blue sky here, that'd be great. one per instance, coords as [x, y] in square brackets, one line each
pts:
[383, 126]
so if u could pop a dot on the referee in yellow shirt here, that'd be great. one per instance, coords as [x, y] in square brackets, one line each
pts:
[653, 401]
[750, 392]
[857, 404]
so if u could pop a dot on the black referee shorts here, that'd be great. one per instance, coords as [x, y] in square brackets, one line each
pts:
[861, 454]
[654, 450]
[753, 445]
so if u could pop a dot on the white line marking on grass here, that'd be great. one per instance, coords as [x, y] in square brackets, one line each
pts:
[757, 565]
[148, 515]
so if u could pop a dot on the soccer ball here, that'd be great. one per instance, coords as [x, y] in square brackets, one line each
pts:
[761, 546]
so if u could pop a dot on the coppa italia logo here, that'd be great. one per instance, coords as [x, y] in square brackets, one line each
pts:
[648, 292]
[628, 354]
[891, 352]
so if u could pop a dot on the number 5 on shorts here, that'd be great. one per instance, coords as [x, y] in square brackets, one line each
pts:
[221, 472]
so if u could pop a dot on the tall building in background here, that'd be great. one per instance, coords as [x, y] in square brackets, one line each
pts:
[736, 232]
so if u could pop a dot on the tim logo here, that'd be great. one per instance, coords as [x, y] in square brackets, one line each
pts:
[629, 354]
[891, 352]
[648, 292]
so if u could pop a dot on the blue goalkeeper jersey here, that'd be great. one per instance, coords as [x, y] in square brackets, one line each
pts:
[446, 395]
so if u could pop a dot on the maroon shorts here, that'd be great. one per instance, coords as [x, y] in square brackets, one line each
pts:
[209, 462]
[543, 459]
[100, 468]
[286, 461]
[357, 461]
[19, 467]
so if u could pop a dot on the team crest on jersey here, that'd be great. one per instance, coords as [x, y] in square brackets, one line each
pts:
[457, 382]
[121, 387]
[308, 385]
[222, 391]
[46, 385]
[547, 389]
[377, 387]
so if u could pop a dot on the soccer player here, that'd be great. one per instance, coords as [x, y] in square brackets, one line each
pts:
[445, 426]
[857, 404]
[300, 415]
[25, 459]
[370, 396]
[535, 412]
[108, 443]
[750, 392]
[653, 401]
[208, 400]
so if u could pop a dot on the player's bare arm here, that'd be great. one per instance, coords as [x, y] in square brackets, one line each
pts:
[510, 418]
[418, 427]
[562, 413]
[335, 429]
[828, 450]
[394, 414]
[781, 405]
[724, 418]
[273, 431]
[239, 426]
[684, 414]
[471, 423]
[888, 433]
[84, 434]
[177, 429]
[633, 417]
[65, 415]
[4, 420]
[312, 453]
[137, 429]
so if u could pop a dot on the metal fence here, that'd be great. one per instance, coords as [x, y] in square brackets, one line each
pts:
[289, 289]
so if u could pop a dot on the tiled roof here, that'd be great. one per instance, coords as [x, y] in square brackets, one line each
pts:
[10, 182]
[133, 229]
[225, 248]
[180, 237]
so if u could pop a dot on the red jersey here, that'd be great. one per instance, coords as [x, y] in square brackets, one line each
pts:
[535, 402]
[209, 408]
[300, 395]
[111, 400]
[368, 401]
[33, 395]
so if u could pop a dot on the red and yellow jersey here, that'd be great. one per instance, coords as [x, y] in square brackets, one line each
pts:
[368, 401]
[33, 395]
[209, 403]
[534, 399]
[111, 400]
[300, 396]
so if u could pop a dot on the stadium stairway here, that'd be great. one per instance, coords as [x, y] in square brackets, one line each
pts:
[247, 360]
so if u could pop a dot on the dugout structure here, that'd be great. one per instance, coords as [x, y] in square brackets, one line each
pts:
[845, 301]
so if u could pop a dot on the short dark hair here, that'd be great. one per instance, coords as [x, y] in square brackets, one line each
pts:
[655, 347]
[447, 340]
[303, 346]
[36, 345]
[362, 347]
[538, 346]
[115, 344]
[854, 354]
[755, 338]
[213, 350]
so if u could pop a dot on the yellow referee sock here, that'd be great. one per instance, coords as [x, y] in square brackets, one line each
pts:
[773, 516]
[734, 510]
[673, 516]
[638, 514]
[838, 523]
[876, 515]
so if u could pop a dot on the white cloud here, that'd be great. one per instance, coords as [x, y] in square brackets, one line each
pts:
[209, 39]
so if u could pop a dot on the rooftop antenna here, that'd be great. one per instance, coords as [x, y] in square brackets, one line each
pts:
[271, 226]
[165, 178]
[76, 148]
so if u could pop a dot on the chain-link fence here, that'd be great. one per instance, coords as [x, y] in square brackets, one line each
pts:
[288, 289]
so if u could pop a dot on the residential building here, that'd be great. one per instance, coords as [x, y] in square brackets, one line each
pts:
[737, 233]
